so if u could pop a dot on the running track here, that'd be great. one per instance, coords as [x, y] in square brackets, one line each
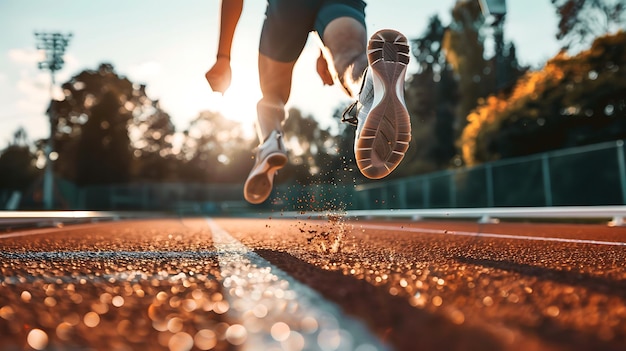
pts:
[280, 283]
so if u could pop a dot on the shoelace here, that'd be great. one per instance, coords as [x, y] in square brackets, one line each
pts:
[350, 114]
[279, 136]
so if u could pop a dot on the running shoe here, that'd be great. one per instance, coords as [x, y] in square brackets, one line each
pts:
[383, 123]
[270, 157]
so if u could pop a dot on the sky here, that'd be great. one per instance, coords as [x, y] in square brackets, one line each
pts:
[169, 45]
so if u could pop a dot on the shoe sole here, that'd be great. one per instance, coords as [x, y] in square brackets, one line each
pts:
[386, 132]
[258, 186]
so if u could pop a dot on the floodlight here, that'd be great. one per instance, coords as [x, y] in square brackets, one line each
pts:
[496, 8]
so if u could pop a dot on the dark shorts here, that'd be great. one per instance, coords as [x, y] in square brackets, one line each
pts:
[288, 23]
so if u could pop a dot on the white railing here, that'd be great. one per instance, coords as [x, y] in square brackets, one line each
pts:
[615, 215]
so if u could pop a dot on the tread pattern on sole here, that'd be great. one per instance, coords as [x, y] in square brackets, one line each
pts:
[386, 134]
[258, 186]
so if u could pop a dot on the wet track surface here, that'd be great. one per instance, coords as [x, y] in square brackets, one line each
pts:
[297, 284]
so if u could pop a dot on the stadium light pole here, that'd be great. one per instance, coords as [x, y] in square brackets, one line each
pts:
[496, 10]
[53, 45]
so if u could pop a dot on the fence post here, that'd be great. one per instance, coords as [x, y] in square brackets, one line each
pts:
[365, 194]
[402, 194]
[489, 180]
[354, 198]
[144, 196]
[384, 197]
[452, 176]
[80, 196]
[622, 168]
[426, 191]
[547, 185]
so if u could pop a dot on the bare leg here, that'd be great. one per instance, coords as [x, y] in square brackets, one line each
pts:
[275, 81]
[346, 42]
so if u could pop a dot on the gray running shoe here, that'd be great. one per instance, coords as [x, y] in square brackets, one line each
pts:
[383, 123]
[270, 157]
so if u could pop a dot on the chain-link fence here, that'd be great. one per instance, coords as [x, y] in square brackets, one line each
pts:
[582, 176]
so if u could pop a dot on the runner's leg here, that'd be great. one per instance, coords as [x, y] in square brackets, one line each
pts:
[341, 26]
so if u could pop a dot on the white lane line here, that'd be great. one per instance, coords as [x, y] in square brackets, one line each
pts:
[57, 214]
[126, 276]
[490, 235]
[41, 231]
[134, 276]
[109, 255]
[276, 312]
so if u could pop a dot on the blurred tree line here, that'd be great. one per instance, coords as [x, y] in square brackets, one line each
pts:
[107, 130]
[572, 101]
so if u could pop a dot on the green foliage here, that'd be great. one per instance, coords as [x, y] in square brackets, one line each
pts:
[572, 101]
[581, 21]
[453, 75]
[103, 154]
[431, 96]
[216, 150]
[108, 131]
[90, 127]
[151, 133]
[464, 50]
[17, 168]
[316, 155]
[477, 77]
[18, 171]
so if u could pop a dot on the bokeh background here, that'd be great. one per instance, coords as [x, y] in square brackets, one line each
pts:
[521, 108]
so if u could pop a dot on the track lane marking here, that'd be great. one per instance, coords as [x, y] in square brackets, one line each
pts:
[277, 311]
[109, 254]
[52, 230]
[132, 275]
[490, 235]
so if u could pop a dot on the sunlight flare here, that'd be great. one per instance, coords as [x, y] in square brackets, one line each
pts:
[240, 100]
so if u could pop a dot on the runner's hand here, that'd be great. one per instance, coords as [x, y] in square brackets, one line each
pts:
[323, 71]
[220, 75]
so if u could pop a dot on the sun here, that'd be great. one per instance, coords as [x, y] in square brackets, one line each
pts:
[240, 100]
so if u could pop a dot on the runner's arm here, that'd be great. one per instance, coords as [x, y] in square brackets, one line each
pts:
[219, 76]
[231, 12]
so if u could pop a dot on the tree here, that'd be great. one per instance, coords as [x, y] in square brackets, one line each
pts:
[104, 155]
[431, 97]
[453, 76]
[17, 164]
[572, 101]
[91, 127]
[581, 21]
[151, 135]
[216, 150]
[428, 49]
[464, 47]
[477, 77]
[313, 151]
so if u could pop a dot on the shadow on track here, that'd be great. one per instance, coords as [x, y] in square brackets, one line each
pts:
[392, 318]
[548, 330]
[600, 285]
